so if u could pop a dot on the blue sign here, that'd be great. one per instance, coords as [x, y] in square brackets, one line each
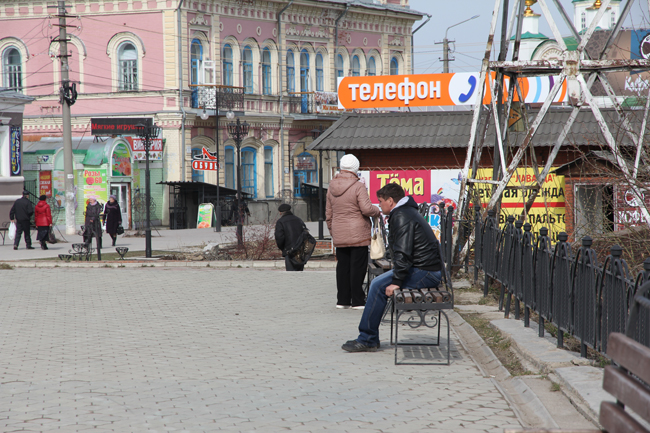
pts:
[16, 151]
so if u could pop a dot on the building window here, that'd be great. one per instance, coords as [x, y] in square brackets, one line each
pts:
[268, 171]
[249, 171]
[356, 66]
[230, 167]
[291, 72]
[197, 175]
[196, 57]
[319, 72]
[304, 71]
[266, 71]
[247, 61]
[372, 67]
[339, 66]
[227, 65]
[394, 66]
[127, 56]
[12, 69]
[583, 21]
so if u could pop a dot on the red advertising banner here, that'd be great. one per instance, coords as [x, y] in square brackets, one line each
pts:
[416, 183]
[45, 183]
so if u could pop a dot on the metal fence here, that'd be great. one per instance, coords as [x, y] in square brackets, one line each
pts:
[564, 287]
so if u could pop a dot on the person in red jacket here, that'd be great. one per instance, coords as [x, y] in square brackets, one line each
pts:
[43, 220]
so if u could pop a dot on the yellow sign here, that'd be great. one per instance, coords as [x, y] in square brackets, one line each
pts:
[548, 209]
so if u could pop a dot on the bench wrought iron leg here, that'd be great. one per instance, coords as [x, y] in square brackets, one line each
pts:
[392, 312]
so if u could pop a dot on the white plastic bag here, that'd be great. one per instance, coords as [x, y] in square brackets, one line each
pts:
[12, 231]
[377, 247]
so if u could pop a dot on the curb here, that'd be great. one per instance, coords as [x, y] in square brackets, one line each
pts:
[259, 264]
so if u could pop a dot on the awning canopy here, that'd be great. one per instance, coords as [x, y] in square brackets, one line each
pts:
[209, 189]
[451, 129]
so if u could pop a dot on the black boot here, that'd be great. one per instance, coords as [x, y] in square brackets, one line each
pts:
[114, 239]
[44, 246]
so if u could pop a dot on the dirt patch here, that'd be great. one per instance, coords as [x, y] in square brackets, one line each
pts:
[499, 344]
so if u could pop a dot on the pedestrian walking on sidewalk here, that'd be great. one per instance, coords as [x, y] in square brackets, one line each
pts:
[92, 223]
[113, 217]
[417, 263]
[348, 215]
[287, 233]
[43, 220]
[21, 214]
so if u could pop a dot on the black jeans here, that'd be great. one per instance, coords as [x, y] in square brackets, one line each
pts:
[291, 267]
[351, 270]
[23, 227]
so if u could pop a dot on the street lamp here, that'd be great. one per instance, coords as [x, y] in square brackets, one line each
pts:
[147, 133]
[445, 45]
[315, 133]
[238, 131]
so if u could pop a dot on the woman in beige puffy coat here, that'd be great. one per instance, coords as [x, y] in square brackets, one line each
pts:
[348, 215]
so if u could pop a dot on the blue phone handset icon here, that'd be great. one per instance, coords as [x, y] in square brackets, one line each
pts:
[465, 96]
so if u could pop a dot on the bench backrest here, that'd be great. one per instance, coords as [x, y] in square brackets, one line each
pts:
[628, 382]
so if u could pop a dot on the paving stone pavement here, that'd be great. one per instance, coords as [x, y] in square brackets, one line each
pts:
[202, 350]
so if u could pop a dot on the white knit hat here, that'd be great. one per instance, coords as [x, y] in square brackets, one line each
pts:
[350, 162]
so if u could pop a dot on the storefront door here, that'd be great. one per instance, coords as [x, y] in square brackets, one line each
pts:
[122, 192]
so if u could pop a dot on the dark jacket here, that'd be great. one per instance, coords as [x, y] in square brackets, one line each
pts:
[412, 241]
[92, 213]
[287, 231]
[22, 210]
[112, 216]
[43, 216]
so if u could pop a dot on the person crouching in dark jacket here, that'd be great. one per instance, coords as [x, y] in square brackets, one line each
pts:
[417, 263]
[43, 220]
[287, 231]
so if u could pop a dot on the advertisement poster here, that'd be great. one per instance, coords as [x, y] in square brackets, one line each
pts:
[16, 151]
[121, 162]
[139, 154]
[45, 183]
[204, 216]
[95, 184]
[548, 209]
[425, 186]
[58, 188]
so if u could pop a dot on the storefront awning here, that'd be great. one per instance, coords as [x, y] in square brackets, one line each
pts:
[207, 188]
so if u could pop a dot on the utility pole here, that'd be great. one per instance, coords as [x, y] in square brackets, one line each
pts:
[68, 96]
[445, 46]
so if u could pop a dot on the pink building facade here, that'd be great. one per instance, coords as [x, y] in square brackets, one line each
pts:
[125, 59]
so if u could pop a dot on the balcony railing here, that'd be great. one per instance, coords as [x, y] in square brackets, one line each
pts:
[228, 97]
[313, 102]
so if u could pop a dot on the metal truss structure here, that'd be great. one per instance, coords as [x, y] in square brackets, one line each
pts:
[577, 68]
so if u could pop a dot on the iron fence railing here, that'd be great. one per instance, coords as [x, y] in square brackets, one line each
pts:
[570, 290]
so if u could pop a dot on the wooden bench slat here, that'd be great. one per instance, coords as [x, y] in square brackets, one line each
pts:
[627, 390]
[633, 356]
[614, 419]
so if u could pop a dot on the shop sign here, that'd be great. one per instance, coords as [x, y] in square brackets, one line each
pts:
[423, 90]
[117, 125]
[16, 151]
[628, 207]
[95, 184]
[121, 161]
[45, 183]
[204, 217]
[304, 162]
[206, 160]
[137, 146]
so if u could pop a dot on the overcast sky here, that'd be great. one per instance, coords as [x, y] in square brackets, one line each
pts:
[471, 37]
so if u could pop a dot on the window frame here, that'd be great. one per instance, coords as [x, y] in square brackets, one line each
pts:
[195, 64]
[246, 168]
[229, 150]
[291, 71]
[267, 81]
[356, 68]
[226, 65]
[127, 67]
[394, 70]
[372, 72]
[320, 73]
[17, 74]
[268, 173]
[339, 66]
[247, 70]
[197, 175]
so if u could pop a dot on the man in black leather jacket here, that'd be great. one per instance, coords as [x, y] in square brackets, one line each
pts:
[21, 213]
[287, 232]
[417, 262]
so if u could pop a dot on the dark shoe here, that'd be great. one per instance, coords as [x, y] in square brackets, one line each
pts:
[113, 242]
[356, 346]
[44, 247]
[29, 247]
[15, 247]
[354, 341]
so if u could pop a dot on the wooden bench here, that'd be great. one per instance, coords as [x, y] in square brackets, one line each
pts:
[628, 380]
[426, 307]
